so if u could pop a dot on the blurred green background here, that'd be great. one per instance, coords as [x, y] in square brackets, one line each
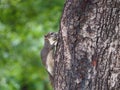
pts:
[22, 26]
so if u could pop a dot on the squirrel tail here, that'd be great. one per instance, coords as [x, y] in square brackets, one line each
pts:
[51, 80]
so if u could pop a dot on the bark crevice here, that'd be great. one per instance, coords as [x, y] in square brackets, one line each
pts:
[88, 54]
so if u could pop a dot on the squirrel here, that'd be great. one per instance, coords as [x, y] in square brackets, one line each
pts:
[48, 52]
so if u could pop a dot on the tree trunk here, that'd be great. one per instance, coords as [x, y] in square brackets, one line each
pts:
[88, 51]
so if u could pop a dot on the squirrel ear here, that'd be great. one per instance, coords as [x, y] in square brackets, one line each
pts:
[45, 36]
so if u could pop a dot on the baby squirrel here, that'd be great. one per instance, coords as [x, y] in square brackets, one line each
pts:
[48, 51]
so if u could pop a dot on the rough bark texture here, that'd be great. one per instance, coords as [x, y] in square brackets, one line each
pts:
[88, 51]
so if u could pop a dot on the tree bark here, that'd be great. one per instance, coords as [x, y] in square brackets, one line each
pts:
[88, 50]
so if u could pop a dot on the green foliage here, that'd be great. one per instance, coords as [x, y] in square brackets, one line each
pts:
[22, 26]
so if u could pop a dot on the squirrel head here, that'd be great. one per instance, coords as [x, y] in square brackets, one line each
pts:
[52, 38]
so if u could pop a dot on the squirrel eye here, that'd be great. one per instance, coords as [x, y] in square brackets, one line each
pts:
[51, 33]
